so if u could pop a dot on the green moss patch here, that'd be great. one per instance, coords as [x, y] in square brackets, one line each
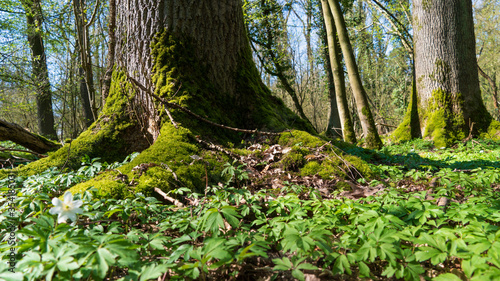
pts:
[444, 121]
[493, 131]
[108, 185]
[410, 127]
[300, 138]
[336, 164]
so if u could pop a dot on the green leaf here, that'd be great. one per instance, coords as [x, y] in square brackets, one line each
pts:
[182, 250]
[213, 221]
[231, 215]
[103, 259]
[67, 263]
[342, 265]
[307, 266]
[364, 270]
[282, 264]
[10, 276]
[298, 274]
[447, 277]
[152, 272]
[435, 255]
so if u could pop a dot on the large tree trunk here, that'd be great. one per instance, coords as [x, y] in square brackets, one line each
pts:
[446, 71]
[335, 56]
[40, 71]
[372, 138]
[194, 54]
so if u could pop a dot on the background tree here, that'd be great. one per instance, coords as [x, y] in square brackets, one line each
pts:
[267, 29]
[487, 30]
[335, 57]
[367, 122]
[87, 90]
[18, 92]
[40, 72]
[446, 71]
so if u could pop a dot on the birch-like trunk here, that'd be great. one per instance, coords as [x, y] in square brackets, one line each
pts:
[372, 138]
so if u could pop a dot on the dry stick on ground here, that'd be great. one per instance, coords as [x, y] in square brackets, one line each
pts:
[168, 198]
[67, 159]
[189, 112]
[218, 148]
[347, 163]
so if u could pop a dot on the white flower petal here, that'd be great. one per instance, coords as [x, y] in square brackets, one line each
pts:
[67, 209]
[62, 218]
[57, 202]
[68, 197]
[77, 203]
[55, 210]
[70, 215]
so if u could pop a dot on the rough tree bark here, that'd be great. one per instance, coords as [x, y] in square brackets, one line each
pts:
[335, 56]
[372, 138]
[40, 71]
[446, 71]
[192, 53]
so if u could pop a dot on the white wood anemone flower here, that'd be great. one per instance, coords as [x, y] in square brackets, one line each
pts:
[66, 209]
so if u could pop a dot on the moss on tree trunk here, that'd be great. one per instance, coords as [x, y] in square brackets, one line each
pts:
[172, 157]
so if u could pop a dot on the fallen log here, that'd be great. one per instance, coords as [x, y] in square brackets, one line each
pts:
[15, 133]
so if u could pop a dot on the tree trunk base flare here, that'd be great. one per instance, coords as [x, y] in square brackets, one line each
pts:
[444, 122]
[446, 72]
[176, 158]
[34, 142]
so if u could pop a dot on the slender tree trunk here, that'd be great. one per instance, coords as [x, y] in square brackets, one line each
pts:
[372, 138]
[87, 89]
[278, 58]
[446, 71]
[307, 33]
[40, 73]
[335, 57]
[88, 116]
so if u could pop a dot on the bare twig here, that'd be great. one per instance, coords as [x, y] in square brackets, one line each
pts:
[386, 125]
[168, 198]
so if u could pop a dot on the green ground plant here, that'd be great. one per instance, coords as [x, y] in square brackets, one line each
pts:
[232, 231]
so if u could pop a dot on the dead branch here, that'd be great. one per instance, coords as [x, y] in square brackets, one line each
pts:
[168, 198]
[17, 134]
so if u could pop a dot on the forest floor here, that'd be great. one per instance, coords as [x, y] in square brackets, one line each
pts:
[424, 213]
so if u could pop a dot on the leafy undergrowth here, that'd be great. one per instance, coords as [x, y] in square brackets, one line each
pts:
[432, 214]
